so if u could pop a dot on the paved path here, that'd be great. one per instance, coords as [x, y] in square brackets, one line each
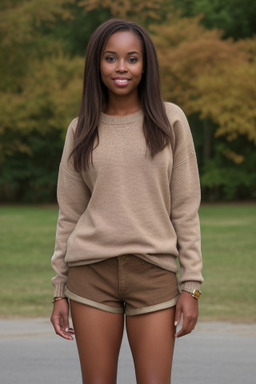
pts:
[216, 353]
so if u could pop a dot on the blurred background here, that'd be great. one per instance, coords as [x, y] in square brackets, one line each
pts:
[207, 51]
[207, 57]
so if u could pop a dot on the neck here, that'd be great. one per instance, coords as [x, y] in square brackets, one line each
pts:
[122, 106]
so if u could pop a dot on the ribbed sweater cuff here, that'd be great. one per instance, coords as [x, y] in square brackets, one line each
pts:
[190, 286]
[59, 290]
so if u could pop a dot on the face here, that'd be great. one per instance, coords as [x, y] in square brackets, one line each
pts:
[122, 64]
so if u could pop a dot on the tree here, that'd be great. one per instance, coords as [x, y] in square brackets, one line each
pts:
[235, 17]
[40, 90]
[211, 79]
[33, 126]
[41, 48]
[144, 12]
[21, 37]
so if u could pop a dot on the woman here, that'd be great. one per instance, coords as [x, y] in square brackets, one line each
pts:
[128, 194]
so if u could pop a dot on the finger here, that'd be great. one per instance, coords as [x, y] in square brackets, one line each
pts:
[63, 333]
[182, 332]
[177, 315]
[66, 328]
[66, 332]
[187, 328]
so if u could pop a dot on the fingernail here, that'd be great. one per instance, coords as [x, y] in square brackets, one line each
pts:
[66, 329]
[175, 323]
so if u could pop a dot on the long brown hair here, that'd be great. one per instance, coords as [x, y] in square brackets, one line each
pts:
[156, 126]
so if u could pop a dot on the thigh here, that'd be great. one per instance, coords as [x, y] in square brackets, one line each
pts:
[151, 338]
[98, 336]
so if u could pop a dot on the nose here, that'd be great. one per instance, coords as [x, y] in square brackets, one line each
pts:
[121, 67]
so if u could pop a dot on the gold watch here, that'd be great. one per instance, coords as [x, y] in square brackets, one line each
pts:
[196, 294]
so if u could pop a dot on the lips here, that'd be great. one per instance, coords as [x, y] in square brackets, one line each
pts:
[121, 82]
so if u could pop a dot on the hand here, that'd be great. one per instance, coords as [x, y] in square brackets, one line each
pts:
[60, 319]
[187, 305]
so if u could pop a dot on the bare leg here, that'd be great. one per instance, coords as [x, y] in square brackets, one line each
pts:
[151, 337]
[98, 336]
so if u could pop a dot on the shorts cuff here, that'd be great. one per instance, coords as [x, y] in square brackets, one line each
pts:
[152, 308]
[92, 303]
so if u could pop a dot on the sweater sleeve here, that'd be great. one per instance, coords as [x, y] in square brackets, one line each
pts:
[185, 202]
[73, 196]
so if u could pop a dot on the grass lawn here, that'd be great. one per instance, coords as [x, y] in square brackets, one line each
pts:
[229, 248]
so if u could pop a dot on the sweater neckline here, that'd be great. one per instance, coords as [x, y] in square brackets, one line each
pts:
[127, 119]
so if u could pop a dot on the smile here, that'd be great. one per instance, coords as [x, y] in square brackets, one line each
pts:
[121, 82]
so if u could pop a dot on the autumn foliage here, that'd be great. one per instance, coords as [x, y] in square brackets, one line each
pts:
[41, 63]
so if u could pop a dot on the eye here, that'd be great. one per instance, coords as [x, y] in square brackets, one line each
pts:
[133, 60]
[110, 59]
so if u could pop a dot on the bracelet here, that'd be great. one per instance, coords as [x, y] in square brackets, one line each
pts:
[58, 299]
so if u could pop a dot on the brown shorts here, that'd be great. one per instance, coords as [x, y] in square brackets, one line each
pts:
[124, 284]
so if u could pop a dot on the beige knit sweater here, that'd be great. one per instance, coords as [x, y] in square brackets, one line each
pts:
[129, 203]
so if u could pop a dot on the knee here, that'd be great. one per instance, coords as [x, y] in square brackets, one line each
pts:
[99, 379]
[152, 378]
[155, 381]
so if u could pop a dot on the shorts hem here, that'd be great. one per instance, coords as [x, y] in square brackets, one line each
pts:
[91, 303]
[152, 308]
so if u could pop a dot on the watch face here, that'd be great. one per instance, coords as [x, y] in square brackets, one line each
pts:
[196, 294]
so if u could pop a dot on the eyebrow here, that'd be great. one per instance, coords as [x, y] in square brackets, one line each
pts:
[129, 53]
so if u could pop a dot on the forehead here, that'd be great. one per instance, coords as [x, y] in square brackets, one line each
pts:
[125, 40]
